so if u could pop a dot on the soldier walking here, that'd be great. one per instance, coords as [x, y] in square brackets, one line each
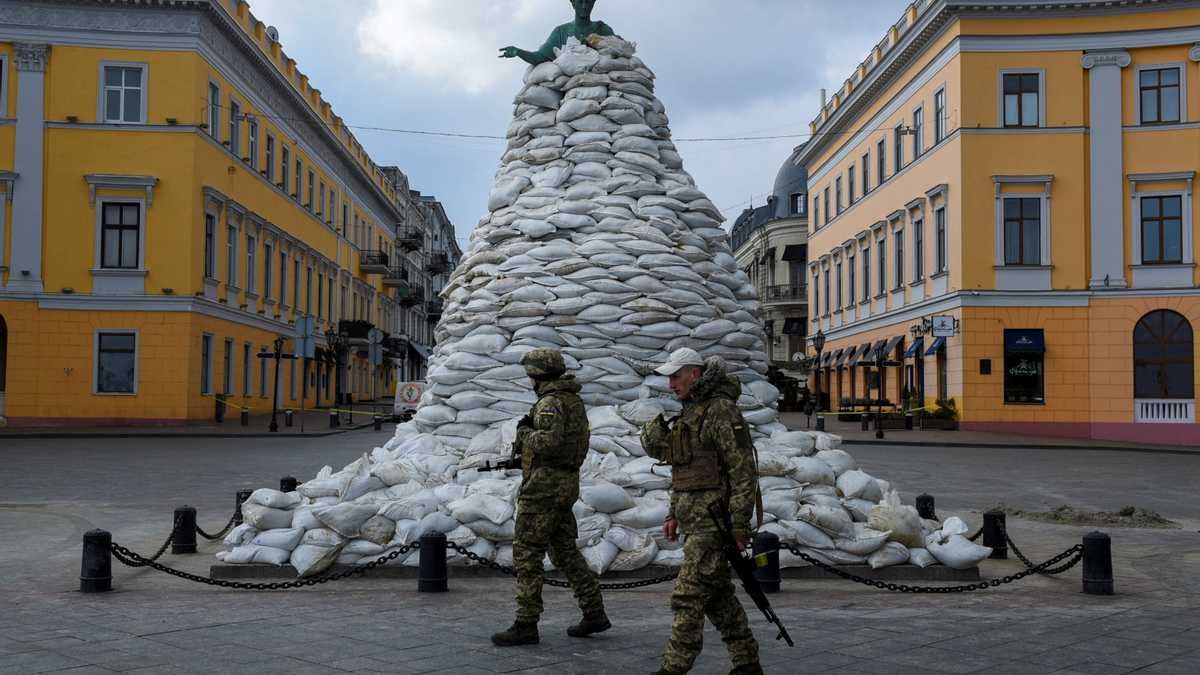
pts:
[552, 442]
[708, 447]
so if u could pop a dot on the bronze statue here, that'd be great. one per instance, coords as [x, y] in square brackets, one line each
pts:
[580, 29]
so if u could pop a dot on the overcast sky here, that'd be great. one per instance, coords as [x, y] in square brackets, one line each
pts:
[724, 67]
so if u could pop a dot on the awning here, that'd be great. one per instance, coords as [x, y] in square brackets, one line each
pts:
[421, 350]
[875, 351]
[840, 356]
[1025, 341]
[890, 347]
[795, 252]
[864, 353]
[793, 326]
[849, 356]
[914, 348]
[826, 359]
[938, 345]
[769, 255]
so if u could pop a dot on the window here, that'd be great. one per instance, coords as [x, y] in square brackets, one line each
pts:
[1024, 366]
[262, 378]
[1163, 356]
[299, 170]
[283, 260]
[308, 286]
[939, 220]
[881, 161]
[866, 173]
[866, 274]
[246, 379]
[231, 257]
[235, 127]
[320, 294]
[850, 294]
[331, 215]
[939, 116]
[296, 286]
[898, 255]
[850, 184]
[253, 134]
[1022, 100]
[210, 246]
[918, 128]
[321, 210]
[120, 228]
[816, 288]
[828, 206]
[292, 379]
[342, 308]
[1022, 231]
[881, 246]
[214, 111]
[310, 204]
[124, 94]
[1162, 230]
[816, 211]
[284, 167]
[267, 260]
[206, 364]
[898, 148]
[329, 314]
[1158, 89]
[227, 371]
[251, 262]
[918, 249]
[116, 363]
[270, 162]
[838, 305]
[345, 217]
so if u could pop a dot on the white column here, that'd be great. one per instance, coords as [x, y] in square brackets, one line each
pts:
[25, 269]
[1107, 206]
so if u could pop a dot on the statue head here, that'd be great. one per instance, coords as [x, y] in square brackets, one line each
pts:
[583, 9]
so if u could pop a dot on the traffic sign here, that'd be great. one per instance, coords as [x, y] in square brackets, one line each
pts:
[306, 342]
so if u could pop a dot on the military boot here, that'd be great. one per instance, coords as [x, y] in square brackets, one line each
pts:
[520, 633]
[748, 669]
[593, 622]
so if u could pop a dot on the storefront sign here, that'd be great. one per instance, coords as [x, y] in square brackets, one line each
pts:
[944, 326]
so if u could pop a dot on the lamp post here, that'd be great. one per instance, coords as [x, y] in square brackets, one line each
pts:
[277, 354]
[336, 342]
[818, 341]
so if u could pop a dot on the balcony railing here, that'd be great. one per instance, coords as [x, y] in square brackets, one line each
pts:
[439, 263]
[355, 328]
[374, 262]
[785, 293]
[433, 310]
[1164, 410]
[409, 240]
[395, 277]
[409, 296]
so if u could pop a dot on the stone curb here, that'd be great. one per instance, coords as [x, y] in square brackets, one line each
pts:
[182, 434]
[1022, 446]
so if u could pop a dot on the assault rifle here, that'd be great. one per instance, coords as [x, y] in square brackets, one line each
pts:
[745, 569]
[513, 462]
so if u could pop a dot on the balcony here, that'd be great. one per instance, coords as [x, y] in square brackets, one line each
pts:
[1164, 410]
[785, 294]
[433, 310]
[409, 296]
[439, 263]
[395, 277]
[373, 262]
[410, 240]
[355, 329]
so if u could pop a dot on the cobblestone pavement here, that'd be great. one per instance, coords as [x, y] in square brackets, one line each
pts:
[54, 490]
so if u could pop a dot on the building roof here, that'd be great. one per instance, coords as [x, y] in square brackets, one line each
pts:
[792, 178]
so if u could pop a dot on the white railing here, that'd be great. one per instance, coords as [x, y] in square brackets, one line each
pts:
[1164, 410]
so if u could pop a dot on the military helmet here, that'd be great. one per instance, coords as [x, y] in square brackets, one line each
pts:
[544, 363]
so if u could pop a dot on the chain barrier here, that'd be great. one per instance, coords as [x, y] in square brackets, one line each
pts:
[1047, 572]
[558, 583]
[1076, 551]
[217, 535]
[131, 559]
[976, 536]
[161, 549]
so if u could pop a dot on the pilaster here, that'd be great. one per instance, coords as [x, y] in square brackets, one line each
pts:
[1107, 168]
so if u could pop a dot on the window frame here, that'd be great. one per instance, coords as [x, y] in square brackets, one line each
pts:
[247, 377]
[851, 286]
[231, 260]
[268, 274]
[251, 263]
[1041, 376]
[210, 244]
[283, 273]
[816, 212]
[102, 93]
[939, 115]
[252, 142]
[206, 364]
[898, 148]
[235, 127]
[941, 240]
[1140, 224]
[850, 183]
[837, 191]
[4, 86]
[1181, 110]
[96, 338]
[1021, 221]
[285, 169]
[298, 179]
[214, 110]
[1041, 94]
[828, 205]
[1161, 358]
[312, 177]
[866, 274]
[839, 298]
[898, 258]
[881, 161]
[101, 203]
[1046, 182]
[227, 360]
[918, 228]
[881, 255]
[918, 128]
[269, 159]
[866, 173]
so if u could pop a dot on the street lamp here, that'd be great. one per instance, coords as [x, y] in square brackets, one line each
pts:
[277, 354]
[818, 341]
[336, 342]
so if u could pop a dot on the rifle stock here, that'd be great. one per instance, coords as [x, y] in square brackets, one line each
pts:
[745, 570]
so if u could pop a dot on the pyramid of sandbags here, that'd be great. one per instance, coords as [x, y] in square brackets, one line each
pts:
[597, 243]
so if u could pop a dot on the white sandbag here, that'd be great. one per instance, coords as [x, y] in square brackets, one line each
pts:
[437, 522]
[257, 553]
[903, 521]
[591, 529]
[505, 489]
[783, 504]
[859, 509]
[266, 518]
[286, 539]
[956, 551]
[242, 534]
[600, 556]
[826, 441]
[304, 518]
[346, 519]
[377, 530]
[855, 484]
[362, 547]
[322, 487]
[808, 535]
[954, 525]
[635, 559]
[625, 538]
[921, 557]
[407, 531]
[861, 540]
[310, 560]
[480, 547]
[670, 557]
[773, 464]
[605, 497]
[486, 529]
[449, 492]
[504, 555]
[800, 440]
[274, 498]
[415, 507]
[834, 556]
[811, 470]
[839, 460]
[646, 513]
[479, 506]
[892, 553]
[361, 485]
[835, 522]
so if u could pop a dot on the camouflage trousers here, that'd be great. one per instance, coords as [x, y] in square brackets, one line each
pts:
[554, 532]
[704, 588]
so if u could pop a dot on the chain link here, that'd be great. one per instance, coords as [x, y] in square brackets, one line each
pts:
[558, 583]
[976, 536]
[161, 549]
[224, 530]
[1048, 572]
[1076, 551]
[131, 559]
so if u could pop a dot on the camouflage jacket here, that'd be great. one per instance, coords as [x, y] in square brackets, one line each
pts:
[553, 449]
[712, 411]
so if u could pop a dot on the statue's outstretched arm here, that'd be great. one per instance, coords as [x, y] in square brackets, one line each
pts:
[542, 55]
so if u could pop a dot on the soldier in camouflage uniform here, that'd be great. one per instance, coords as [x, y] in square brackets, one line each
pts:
[552, 442]
[708, 448]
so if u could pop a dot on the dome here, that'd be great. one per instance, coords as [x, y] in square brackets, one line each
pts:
[791, 179]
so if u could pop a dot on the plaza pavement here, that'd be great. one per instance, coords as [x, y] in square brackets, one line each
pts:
[56, 489]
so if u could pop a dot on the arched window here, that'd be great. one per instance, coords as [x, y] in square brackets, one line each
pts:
[1163, 356]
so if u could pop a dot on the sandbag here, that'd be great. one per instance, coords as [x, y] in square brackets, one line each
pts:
[377, 530]
[832, 521]
[892, 553]
[903, 521]
[346, 519]
[855, 484]
[600, 556]
[286, 539]
[956, 551]
[242, 534]
[479, 506]
[274, 498]
[605, 497]
[646, 513]
[257, 553]
[861, 540]
[839, 460]
[921, 557]
[808, 535]
[810, 470]
[310, 560]
[266, 518]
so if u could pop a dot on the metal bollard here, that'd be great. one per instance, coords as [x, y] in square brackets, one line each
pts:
[95, 572]
[333, 419]
[378, 421]
[245, 418]
[925, 506]
[287, 484]
[183, 539]
[865, 420]
[219, 411]
[242, 496]
[287, 418]
[994, 526]
[1097, 564]
[908, 421]
[820, 423]
[431, 569]
[766, 544]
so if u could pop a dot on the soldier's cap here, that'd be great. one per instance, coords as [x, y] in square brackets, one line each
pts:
[679, 359]
[544, 362]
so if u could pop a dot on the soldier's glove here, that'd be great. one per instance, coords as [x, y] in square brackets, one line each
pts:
[525, 423]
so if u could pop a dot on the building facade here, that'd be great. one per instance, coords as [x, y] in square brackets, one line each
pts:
[176, 196]
[1002, 214]
[770, 244]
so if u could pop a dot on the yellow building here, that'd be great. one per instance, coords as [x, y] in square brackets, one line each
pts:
[176, 195]
[1019, 177]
